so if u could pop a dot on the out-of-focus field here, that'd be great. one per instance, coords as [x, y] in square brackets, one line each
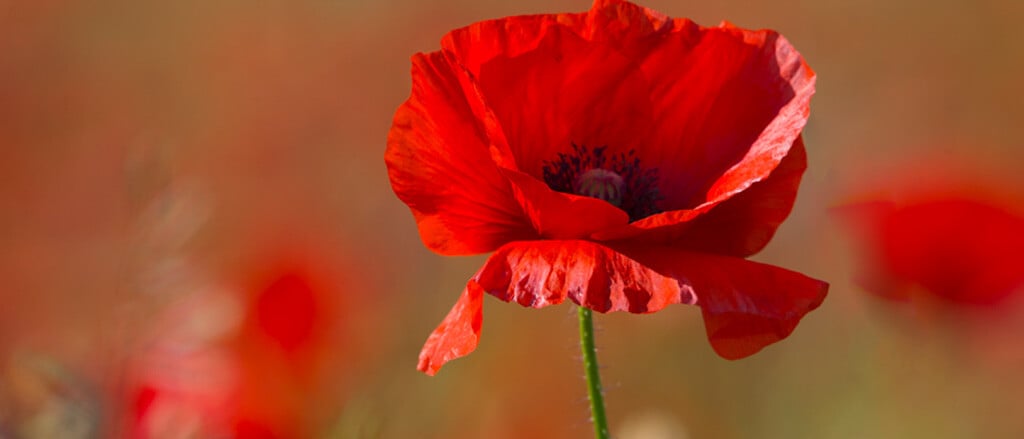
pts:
[160, 158]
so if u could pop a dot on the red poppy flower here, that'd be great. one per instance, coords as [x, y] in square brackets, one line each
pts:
[617, 157]
[962, 246]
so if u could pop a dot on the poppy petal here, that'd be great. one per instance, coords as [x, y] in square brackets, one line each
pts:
[541, 273]
[457, 335]
[557, 215]
[738, 226]
[729, 104]
[439, 164]
[621, 22]
[565, 91]
[557, 79]
[743, 224]
[746, 305]
[614, 22]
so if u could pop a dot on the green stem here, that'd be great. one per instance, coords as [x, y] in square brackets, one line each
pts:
[593, 375]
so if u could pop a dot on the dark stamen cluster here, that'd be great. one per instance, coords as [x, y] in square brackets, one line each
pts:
[641, 193]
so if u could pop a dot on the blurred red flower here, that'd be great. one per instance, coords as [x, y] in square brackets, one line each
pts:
[959, 245]
[231, 364]
[617, 157]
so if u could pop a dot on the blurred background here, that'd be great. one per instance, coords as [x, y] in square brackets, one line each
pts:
[198, 237]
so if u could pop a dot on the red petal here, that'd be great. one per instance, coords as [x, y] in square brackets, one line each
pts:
[746, 305]
[620, 24]
[542, 273]
[545, 88]
[729, 103]
[743, 224]
[557, 79]
[439, 163]
[557, 215]
[565, 91]
[458, 333]
[749, 305]
[737, 226]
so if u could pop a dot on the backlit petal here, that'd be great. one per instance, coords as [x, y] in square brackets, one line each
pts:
[439, 163]
[542, 273]
[458, 333]
[743, 224]
[728, 104]
[746, 305]
[566, 91]
[749, 305]
[556, 79]
[556, 215]
[621, 24]
[738, 226]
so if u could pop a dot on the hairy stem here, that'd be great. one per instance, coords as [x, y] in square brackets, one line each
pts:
[593, 375]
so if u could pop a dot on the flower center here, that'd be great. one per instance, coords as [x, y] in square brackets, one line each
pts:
[617, 179]
[601, 183]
